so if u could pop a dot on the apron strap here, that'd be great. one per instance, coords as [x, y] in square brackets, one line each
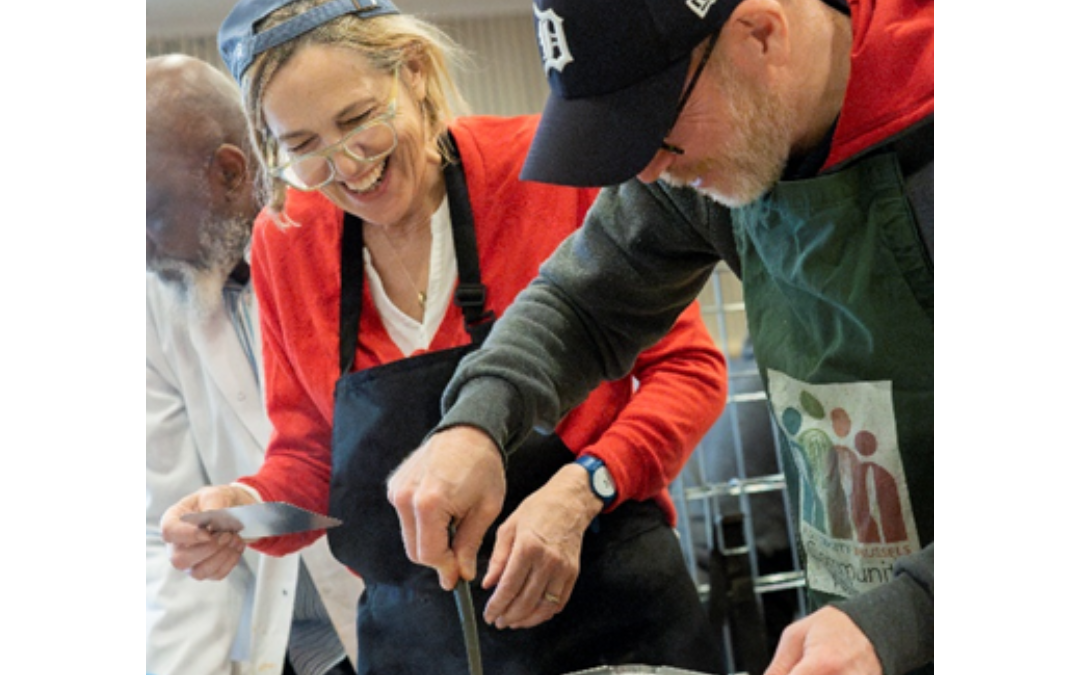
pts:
[352, 291]
[471, 294]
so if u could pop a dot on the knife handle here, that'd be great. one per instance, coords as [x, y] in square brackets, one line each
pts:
[467, 616]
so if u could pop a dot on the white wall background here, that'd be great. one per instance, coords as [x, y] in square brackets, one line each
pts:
[504, 77]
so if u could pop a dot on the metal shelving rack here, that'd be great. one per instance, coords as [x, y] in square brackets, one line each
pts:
[735, 474]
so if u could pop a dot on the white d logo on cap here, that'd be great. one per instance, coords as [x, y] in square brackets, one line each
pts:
[553, 46]
[700, 7]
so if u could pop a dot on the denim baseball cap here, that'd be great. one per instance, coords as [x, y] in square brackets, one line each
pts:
[239, 44]
[616, 69]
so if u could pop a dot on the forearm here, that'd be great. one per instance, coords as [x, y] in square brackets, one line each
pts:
[297, 464]
[295, 475]
[682, 388]
[611, 290]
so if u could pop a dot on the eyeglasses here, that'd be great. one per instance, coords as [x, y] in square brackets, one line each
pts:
[367, 143]
[669, 147]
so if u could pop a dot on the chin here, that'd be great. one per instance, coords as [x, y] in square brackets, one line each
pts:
[733, 200]
[723, 196]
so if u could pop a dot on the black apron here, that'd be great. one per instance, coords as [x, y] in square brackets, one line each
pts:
[630, 585]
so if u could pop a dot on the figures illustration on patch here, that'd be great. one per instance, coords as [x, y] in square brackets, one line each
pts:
[854, 507]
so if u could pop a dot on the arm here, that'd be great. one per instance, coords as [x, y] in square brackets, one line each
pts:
[613, 288]
[298, 457]
[681, 392]
[609, 291]
[190, 625]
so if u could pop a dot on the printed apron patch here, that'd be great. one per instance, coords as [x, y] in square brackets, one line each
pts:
[855, 512]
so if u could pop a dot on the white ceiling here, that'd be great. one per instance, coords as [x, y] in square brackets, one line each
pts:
[168, 18]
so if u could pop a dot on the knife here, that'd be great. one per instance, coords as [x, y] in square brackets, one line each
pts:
[255, 521]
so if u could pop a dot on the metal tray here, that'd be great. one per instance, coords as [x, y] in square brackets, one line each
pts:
[636, 669]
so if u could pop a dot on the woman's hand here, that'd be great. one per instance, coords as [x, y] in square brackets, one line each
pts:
[199, 553]
[537, 554]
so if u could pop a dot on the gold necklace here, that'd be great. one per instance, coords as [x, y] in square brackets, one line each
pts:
[421, 296]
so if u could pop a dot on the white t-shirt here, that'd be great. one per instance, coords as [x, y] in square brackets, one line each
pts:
[407, 333]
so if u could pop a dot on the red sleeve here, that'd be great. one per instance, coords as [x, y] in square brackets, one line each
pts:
[682, 389]
[298, 458]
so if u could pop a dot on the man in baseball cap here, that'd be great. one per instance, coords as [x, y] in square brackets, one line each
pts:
[792, 140]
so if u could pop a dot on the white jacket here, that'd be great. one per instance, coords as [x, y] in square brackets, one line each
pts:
[205, 425]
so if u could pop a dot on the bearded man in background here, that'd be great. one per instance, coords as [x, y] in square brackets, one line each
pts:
[205, 420]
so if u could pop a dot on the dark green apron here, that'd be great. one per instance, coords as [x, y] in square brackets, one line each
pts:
[633, 578]
[839, 293]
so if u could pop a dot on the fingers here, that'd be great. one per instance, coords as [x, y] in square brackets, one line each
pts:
[424, 524]
[789, 650]
[553, 598]
[534, 580]
[469, 537]
[537, 555]
[500, 555]
[538, 599]
[176, 531]
[195, 551]
[432, 544]
[457, 476]
[210, 561]
[827, 642]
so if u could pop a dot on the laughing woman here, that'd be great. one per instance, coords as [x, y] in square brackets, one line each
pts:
[393, 235]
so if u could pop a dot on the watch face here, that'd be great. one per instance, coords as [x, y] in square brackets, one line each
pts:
[603, 483]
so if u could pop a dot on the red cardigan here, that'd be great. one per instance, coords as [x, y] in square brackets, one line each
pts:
[645, 438]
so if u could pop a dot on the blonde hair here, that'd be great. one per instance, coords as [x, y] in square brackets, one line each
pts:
[387, 41]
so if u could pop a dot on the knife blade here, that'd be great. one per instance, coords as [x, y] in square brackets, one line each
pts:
[255, 521]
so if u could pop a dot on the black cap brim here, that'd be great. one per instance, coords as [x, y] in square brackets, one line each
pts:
[608, 139]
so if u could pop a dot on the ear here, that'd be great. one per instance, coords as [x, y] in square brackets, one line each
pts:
[759, 34]
[230, 168]
[414, 75]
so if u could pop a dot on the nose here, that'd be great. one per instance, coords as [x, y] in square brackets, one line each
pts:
[345, 167]
[659, 164]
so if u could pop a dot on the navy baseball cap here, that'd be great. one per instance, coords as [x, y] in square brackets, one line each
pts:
[239, 44]
[616, 69]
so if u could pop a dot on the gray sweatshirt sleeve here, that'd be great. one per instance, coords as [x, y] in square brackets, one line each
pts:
[898, 617]
[608, 292]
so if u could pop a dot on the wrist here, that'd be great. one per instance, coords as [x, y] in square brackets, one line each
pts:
[599, 478]
[247, 490]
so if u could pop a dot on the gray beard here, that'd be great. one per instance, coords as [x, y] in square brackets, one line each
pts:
[198, 285]
[756, 149]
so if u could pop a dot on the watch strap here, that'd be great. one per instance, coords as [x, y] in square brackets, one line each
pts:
[592, 465]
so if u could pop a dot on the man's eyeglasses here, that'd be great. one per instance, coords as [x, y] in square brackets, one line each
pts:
[669, 147]
[369, 142]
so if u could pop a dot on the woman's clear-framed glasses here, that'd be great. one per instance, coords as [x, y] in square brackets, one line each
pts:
[370, 142]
